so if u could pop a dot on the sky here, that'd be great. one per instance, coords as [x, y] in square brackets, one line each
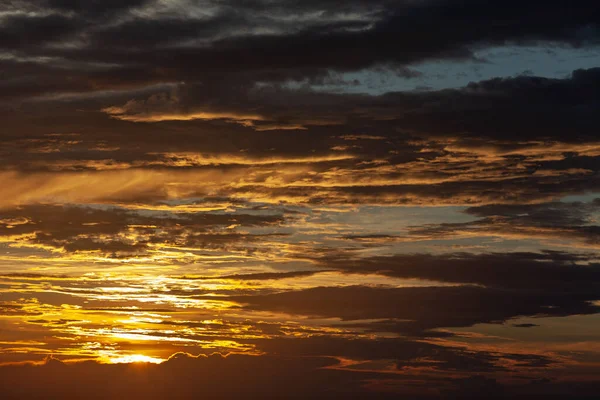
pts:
[279, 199]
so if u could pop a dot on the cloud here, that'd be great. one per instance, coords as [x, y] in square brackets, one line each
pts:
[162, 108]
[185, 376]
[435, 147]
[419, 309]
[523, 271]
[22, 31]
[181, 176]
[558, 221]
[544, 108]
[406, 353]
[120, 231]
[261, 276]
[94, 7]
[332, 39]
[134, 185]
[229, 44]
[173, 378]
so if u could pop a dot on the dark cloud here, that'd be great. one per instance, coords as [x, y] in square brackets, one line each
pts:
[302, 40]
[513, 284]
[119, 231]
[542, 108]
[93, 7]
[513, 190]
[525, 325]
[405, 353]
[544, 214]
[178, 377]
[424, 308]
[550, 109]
[524, 271]
[184, 376]
[24, 31]
[556, 220]
[260, 276]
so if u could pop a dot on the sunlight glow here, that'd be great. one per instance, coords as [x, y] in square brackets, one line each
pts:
[136, 358]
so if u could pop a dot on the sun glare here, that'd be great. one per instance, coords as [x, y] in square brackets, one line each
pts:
[136, 358]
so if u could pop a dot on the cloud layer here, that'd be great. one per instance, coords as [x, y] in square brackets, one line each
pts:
[305, 187]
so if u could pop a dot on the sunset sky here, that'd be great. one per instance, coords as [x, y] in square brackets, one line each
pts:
[315, 199]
